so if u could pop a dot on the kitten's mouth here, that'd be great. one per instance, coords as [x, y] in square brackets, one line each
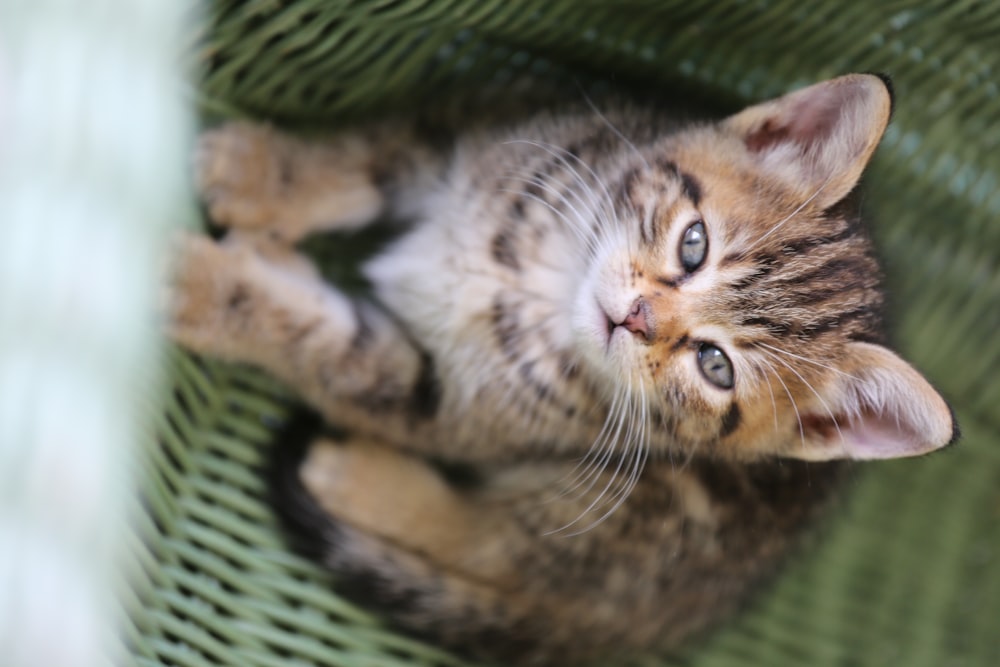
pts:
[635, 323]
[609, 327]
[603, 326]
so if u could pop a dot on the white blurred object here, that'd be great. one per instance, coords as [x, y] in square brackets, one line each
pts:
[93, 137]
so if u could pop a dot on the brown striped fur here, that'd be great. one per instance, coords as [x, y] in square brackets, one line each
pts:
[538, 468]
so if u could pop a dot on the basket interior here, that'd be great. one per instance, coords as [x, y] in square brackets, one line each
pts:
[908, 574]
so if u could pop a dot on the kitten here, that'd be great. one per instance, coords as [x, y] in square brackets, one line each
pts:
[646, 345]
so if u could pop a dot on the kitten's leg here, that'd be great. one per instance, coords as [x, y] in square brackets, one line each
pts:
[427, 554]
[266, 305]
[399, 497]
[501, 563]
[253, 177]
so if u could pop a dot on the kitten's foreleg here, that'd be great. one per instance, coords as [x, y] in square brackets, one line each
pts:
[254, 177]
[265, 305]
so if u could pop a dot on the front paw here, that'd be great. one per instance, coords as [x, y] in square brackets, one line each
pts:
[240, 175]
[207, 288]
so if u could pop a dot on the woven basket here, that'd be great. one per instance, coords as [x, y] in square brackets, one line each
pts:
[908, 575]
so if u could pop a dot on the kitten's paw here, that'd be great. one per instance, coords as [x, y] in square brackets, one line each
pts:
[255, 178]
[240, 173]
[387, 493]
[206, 285]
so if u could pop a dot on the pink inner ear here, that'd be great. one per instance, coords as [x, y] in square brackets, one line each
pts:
[809, 120]
[871, 436]
[876, 437]
[767, 135]
[815, 117]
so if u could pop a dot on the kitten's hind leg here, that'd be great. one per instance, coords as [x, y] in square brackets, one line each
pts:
[411, 545]
[497, 564]
[255, 177]
[263, 304]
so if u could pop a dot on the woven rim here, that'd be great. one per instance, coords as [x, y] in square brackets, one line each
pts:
[906, 576]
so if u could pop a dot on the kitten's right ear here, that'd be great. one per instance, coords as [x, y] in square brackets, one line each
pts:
[818, 139]
[876, 407]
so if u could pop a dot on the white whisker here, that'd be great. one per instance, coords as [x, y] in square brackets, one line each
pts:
[575, 228]
[600, 207]
[559, 196]
[637, 449]
[560, 154]
[598, 456]
[618, 133]
[826, 406]
[795, 407]
[628, 442]
[791, 215]
[805, 359]
[758, 365]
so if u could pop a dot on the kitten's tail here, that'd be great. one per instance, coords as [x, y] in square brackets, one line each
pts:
[304, 524]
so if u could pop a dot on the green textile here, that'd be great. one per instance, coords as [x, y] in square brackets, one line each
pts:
[908, 574]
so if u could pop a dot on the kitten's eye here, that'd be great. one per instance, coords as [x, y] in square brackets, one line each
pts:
[715, 366]
[694, 246]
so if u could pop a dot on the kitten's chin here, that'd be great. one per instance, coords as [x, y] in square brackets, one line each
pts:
[591, 327]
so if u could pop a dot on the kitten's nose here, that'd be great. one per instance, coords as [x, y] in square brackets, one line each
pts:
[636, 321]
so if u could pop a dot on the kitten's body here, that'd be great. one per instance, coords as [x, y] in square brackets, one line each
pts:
[538, 326]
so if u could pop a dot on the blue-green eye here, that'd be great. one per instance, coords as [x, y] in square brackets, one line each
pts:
[715, 366]
[694, 246]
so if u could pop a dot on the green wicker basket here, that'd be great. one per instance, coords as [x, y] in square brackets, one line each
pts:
[909, 574]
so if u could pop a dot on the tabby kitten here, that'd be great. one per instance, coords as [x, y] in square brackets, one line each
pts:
[644, 344]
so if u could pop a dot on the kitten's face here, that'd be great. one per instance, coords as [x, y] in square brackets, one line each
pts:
[738, 302]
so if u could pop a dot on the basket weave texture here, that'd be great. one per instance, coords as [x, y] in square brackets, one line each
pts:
[908, 575]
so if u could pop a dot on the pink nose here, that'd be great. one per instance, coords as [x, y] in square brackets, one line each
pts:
[636, 321]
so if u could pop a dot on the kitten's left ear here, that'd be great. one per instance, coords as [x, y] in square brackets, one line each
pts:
[818, 139]
[877, 407]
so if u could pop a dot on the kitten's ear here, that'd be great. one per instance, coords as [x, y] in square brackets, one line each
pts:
[819, 139]
[883, 409]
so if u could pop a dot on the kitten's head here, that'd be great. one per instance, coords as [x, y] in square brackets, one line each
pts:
[740, 297]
